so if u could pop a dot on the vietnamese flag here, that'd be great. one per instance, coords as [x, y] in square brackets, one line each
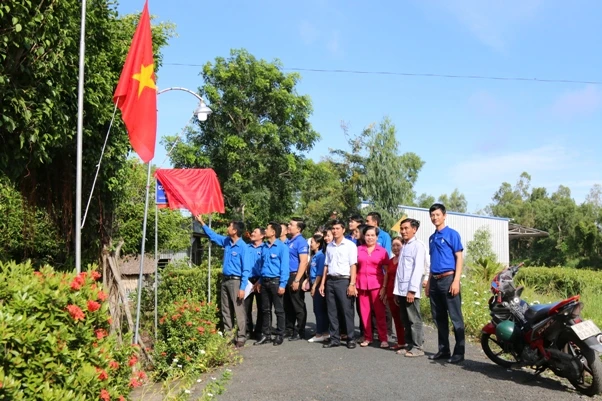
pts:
[136, 93]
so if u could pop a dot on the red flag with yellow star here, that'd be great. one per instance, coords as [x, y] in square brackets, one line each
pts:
[136, 93]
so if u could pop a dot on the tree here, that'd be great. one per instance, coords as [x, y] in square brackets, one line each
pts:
[38, 105]
[480, 247]
[390, 177]
[321, 193]
[424, 201]
[456, 202]
[174, 230]
[255, 137]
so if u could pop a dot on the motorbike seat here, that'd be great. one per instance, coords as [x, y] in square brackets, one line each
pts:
[537, 313]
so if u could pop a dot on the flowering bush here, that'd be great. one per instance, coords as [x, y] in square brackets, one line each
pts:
[54, 341]
[188, 339]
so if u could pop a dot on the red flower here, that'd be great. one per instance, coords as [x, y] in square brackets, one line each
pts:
[133, 360]
[93, 306]
[141, 375]
[175, 317]
[201, 329]
[163, 353]
[104, 395]
[37, 274]
[77, 283]
[102, 296]
[100, 333]
[188, 324]
[134, 382]
[110, 320]
[121, 398]
[114, 365]
[102, 375]
[96, 275]
[75, 312]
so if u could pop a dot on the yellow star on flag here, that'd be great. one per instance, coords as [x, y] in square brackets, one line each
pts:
[145, 77]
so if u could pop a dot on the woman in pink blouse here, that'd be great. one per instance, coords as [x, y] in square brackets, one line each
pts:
[372, 260]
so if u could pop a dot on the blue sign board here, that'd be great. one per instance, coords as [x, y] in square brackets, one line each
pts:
[161, 196]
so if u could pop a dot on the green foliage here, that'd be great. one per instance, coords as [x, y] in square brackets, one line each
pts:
[480, 247]
[455, 202]
[425, 201]
[575, 230]
[320, 193]
[255, 137]
[26, 231]
[38, 108]
[566, 282]
[53, 338]
[174, 229]
[188, 339]
[484, 269]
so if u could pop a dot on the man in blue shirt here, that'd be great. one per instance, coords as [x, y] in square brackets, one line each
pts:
[295, 310]
[274, 276]
[254, 254]
[236, 271]
[443, 288]
[384, 239]
[355, 220]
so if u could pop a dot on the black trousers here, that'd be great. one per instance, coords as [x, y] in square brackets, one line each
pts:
[442, 305]
[256, 329]
[269, 297]
[295, 310]
[337, 302]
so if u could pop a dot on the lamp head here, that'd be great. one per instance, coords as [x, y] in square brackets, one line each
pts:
[202, 112]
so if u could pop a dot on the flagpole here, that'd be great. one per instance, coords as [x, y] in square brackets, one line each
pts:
[140, 277]
[209, 268]
[156, 251]
[80, 128]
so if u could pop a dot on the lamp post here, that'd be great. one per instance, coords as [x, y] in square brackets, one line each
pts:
[202, 112]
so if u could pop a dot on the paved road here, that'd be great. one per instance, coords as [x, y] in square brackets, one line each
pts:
[303, 371]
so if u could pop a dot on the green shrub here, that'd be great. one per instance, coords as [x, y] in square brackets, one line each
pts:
[53, 338]
[189, 339]
[563, 281]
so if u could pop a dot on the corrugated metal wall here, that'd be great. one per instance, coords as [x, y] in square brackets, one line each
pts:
[466, 225]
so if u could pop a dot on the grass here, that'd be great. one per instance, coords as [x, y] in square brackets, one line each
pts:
[476, 293]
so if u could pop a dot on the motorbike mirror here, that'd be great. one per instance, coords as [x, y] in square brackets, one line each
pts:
[519, 290]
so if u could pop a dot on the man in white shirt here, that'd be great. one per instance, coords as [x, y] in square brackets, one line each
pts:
[408, 285]
[338, 284]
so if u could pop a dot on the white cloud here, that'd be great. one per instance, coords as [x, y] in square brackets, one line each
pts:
[491, 21]
[488, 171]
[576, 103]
[309, 32]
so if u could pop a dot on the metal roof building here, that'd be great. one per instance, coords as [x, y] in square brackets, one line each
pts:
[466, 225]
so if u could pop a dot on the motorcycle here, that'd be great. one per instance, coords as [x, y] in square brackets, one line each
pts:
[551, 336]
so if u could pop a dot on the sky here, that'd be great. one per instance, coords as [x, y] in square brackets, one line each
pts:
[473, 134]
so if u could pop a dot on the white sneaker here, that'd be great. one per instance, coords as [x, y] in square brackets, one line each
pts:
[316, 339]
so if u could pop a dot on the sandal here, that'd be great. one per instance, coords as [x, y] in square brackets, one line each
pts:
[364, 344]
[384, 344]
[400, 352]
[397, 346]
[413, 353]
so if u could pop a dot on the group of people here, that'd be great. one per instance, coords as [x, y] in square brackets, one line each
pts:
[385, 275]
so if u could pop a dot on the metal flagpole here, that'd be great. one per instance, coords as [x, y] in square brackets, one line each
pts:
[80, 129]
[209, 275]
[136, 332]
[156, 250]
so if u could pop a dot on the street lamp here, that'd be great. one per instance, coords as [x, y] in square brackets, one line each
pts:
[202, 111]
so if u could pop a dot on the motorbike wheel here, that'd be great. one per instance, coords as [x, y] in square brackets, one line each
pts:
[498, 354]
[590, 383]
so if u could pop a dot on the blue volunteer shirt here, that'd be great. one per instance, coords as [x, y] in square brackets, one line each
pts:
[254, 255]
[296, 246]
[316, 266]
[350, 238]
[442, 247]
[236, 262]
[275, 262]
[384, 240]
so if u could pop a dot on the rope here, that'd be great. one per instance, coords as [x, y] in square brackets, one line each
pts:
[98, 165]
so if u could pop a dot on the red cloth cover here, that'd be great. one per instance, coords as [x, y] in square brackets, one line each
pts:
[197, 190]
